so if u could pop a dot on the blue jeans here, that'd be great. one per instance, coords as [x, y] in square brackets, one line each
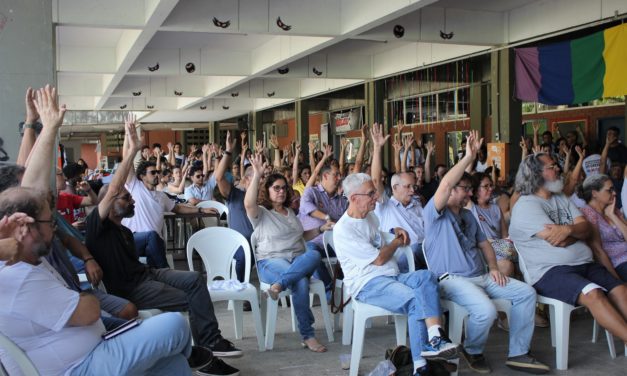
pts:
[294, 276]
[151, 245]
[240, 263]
[474, 294]
[414, 294]
[322, 273]
[159, 346]
[419, 258]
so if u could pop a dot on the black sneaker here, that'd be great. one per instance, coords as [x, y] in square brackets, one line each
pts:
[217, 367]
[225, 348]
[441, 367]
[527, 363]
[200, 357]
[477, 363]
[423, 371]
[247, 307]
[440, 348]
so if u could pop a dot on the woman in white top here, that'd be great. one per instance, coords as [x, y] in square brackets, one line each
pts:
[282, 258]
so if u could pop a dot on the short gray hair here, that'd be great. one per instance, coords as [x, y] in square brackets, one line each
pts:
[529, 176]
[396, 179]
[353, 181]
[592, 183]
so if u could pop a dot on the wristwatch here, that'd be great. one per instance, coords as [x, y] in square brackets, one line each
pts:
[327, 218]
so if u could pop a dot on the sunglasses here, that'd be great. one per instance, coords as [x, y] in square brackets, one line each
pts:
[154, 172]
[279, 188]
[466, 188]
[199, 176]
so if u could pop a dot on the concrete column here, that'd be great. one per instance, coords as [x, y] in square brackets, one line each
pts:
[478, 105]
[255, 132]
[375, 111]
[26, 59]
[301, 113]
[506, 111]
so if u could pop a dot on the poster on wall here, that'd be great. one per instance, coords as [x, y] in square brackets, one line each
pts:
[324, 133]
[348, 120]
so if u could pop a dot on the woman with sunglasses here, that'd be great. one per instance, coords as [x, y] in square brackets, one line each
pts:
[609, 229]
[282, 258]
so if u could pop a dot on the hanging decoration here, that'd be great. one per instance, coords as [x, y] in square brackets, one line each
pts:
[190, 67]
[283, 70]
[443, 34]
[154, 68]
[225, 107]
[235, 94]
[399, 31]
[282, 25]
[221, 24]
[270, 95]
[137, 93]
[150, 107]
[316, 72]
[178, 93]
[122, 106]
[203, 107]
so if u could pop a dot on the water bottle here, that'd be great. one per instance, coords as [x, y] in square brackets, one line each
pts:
[384, 368]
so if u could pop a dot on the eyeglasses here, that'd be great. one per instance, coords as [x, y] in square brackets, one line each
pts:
[487, 186]
[370, 194]
[126, 197]
[51, 221]
[199, 176]
[154, 172]
[610, 189]
[407, 186]
[466, 188]
[279, 188]
[551, 166]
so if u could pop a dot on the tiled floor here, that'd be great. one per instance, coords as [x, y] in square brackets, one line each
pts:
[288, 358]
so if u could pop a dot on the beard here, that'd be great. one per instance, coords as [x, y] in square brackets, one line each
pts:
[554, 186]
[41, 249]
[124, 212]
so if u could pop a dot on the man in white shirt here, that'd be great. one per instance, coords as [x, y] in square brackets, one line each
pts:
[403, 209]
[202, 186]
[65, 336]
[150, 206]
[371, 273]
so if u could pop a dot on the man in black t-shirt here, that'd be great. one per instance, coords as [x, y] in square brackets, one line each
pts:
[113, 246]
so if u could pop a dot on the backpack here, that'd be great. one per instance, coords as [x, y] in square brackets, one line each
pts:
[401, 357]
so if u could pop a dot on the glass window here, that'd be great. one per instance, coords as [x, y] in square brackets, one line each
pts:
[412, 111]
[396, 112]
[463, 103]
[446, 106]
[429, 111]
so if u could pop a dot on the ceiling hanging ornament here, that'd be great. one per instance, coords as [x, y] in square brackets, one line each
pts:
[137, 93]
[316, 72]
[283, 70]
[443, 34]
[282, 25]
[122, 106]
[270, 95]
[154, 67]
[399, 31]
[190, 67]
[203, 107]
[221, 24]
[235, 94]
[225, 107]
[178, 93]
[150, 107]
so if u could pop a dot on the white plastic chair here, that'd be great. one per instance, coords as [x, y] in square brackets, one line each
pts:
[357, 314]
[18, 355]
[220, 207]
[216, 247]
[559, 313]
[270, 307]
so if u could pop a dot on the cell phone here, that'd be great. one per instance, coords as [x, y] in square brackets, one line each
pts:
[443, 277]
[130, 324]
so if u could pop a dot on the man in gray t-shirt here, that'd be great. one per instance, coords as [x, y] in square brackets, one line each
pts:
[455, 249]
[550, 234]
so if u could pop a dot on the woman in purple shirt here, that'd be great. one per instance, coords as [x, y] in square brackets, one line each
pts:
[609, 228]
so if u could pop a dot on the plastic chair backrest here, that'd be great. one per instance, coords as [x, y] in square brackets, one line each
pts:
[387, 238]
[327, 241]
[18, 356]
[220, 207]
[216, 246]
[521, 265]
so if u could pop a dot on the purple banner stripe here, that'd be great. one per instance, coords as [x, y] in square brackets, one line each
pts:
[528, 77]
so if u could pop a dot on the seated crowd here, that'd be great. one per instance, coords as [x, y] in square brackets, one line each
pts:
[469, 240]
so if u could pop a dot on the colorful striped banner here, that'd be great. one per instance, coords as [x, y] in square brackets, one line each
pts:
[576, 71]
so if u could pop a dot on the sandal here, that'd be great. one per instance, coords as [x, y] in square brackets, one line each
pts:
[317, 348]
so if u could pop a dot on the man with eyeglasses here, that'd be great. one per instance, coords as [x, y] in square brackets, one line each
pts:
[550, 234]
[403, 209]
[371, 276]
[202, 186]
[457, 251]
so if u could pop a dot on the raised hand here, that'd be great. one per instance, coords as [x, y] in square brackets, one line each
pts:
[8, 224]
[297, 148]
[610, 137]
[205, 148]
[312, 146]
[536, 127]
[230, 142]
[522, 143]
[274, 141]
[47, 104]
[473, 144]
[170, 147]
[376, 133]
[364, 132]
[328, 152]
[580, 152]
[259, 146]
[430, 147]
[344, 142]
[397, 146]
[408, 141]
[258, 164]
[31, 111]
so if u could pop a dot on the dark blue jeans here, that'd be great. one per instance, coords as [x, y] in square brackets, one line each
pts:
[150, 245]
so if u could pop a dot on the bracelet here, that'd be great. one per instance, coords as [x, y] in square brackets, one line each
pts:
[88, 259]
[28, 126]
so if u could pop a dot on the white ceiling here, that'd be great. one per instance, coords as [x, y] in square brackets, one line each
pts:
[105, 48]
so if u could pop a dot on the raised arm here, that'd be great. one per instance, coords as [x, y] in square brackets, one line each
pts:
[536, 130]
[252, 192]
[274, 143]
[295, 176]
[37, 174]
[341, 162]
[378, 141]
[396, 146]
[584, 142]
[171, 160]
[116, 187]
[523, 148]
[29, 137]
[407, 142]
[573, 177]
[223, 184]
[328, 152]
[359, 159]
[609, 138]
[428, 161]
[450, 180]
